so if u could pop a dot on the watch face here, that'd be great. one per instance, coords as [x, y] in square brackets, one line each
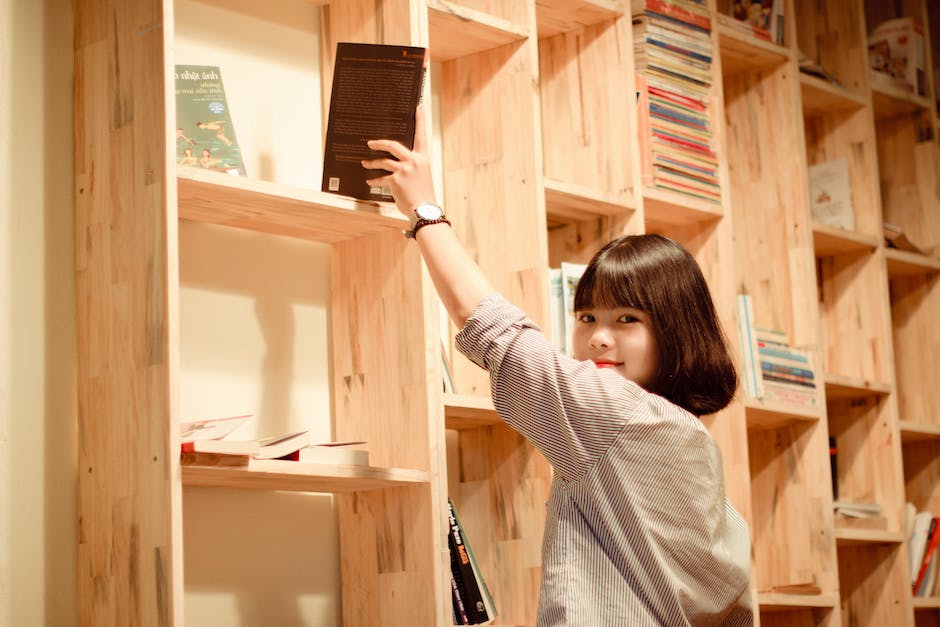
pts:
[429, 212]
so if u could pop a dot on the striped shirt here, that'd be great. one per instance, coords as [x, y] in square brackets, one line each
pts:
[638, 529]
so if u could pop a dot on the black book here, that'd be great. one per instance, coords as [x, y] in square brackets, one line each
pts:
[376, 90]
[477, 602]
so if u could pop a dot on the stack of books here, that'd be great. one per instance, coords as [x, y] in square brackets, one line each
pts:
[673, 50]
[774, 370]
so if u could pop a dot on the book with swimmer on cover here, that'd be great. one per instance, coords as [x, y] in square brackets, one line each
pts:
[375, 92]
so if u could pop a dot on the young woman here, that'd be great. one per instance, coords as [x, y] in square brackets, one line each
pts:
[638, 529]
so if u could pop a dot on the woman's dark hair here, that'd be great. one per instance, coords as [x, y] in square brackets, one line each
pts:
[656, 275]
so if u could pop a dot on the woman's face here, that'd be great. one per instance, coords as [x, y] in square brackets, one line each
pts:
[621, 338]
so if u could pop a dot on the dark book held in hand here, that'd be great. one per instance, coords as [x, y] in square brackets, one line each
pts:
[376, 90]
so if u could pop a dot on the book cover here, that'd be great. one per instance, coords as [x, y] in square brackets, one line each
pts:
[831, 194]
[917, 543]
[929, 549]
[557, 308]
[752, 380]
[278, 446]
[375, 92]
[211, 428]
[205, 134]
[332, 453]
[570, 275]
[897, 52]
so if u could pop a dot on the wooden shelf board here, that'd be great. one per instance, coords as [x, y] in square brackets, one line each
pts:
[856, 537]
[926, 603]
[840, 387]
[457, 31]
[741, 51]
[764, 415]
[560, 16]
[918, 431]
[275, 474]
[664, 208]
[272, 208]
[888, 102]
[777, 602]
[820, 97]
[906, 263]
[465, 411]
[831, 240]
[569, 202]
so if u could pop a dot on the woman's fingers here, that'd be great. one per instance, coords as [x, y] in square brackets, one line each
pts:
[382, 164]
[390, 146]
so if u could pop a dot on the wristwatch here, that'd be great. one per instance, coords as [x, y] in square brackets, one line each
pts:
[425, 214]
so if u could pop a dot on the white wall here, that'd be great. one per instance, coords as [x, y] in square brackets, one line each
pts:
[253, 323]
[253, 327]
[37, 346]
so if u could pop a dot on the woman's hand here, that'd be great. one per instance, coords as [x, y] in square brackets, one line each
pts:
[410, 179]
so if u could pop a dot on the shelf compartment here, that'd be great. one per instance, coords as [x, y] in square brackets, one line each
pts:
[559, 16]
[917, 431]
[457, 31]
[866, 460]
[267, 474]
[789, 471]
[853, 537]
[664, 209]
[875, 582]
[846, 388]
[831, 240]
[570, 202]
[762, 414]
[889, 102]
[856, 330]
[272, 208]
[740, 51]
[907, 263]
[467, 411]
[820, 97]
[778, 602]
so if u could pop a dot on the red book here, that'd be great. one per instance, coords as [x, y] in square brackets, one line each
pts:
[928, 552]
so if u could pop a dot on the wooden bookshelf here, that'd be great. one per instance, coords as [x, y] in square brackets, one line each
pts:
[540, 163]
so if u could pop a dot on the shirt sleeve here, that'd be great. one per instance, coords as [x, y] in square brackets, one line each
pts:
[570, 410]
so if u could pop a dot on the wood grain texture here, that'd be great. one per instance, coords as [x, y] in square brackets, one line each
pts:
[126, 319]
[385, 351]
[584, 79]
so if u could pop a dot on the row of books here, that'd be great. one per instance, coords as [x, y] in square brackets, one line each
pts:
[923, 530]
[673, 52]
[472, 603]
[773, 368]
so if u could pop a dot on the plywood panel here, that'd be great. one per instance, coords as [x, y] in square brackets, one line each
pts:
[491, 154]
[792, 534]
[770, 200]
[915, 312]
[855, 323]
[130, 533]
[585, 79]
[850, 134]
[385, 351]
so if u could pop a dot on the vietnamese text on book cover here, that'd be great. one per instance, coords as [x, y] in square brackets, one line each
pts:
[205, 134]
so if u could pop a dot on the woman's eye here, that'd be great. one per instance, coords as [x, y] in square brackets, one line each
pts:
[628, 318]
[586, 318]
